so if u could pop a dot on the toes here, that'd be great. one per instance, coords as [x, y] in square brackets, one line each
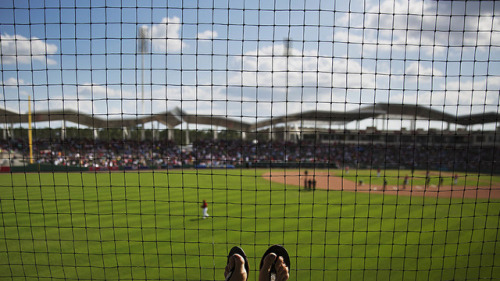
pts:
[266, 267]
[268, 262]
[229, 266]
[237, 265]
[281, 270]
[283, 277]
[279, 263]
[283, 274]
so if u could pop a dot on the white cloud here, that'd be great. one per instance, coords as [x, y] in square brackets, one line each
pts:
[96, 91]
[324, 83]
[418, 69]
[465, 96]
[112, 103]
[479, 92]
[420, 27]
[207, 34]
[449, 19]
[12, 82]
[165, 36]
[267, 67]
[19, 49]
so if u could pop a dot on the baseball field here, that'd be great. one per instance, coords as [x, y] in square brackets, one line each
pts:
[148, 225]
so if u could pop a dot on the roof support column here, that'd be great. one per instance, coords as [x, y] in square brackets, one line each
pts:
[187, 134]
[170, 132]
[413, 125]
[125, 133]
[243, 135]
[143, 132]
[216, 132]
[96, 134]
[4, 131]
[153, 132]
[157, 131]
[297, 133]
[63, 130]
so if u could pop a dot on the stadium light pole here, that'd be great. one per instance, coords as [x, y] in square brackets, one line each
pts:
[143, 47]
[286, 53]
[30, 132]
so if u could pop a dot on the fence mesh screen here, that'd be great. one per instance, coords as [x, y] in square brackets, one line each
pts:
[142, 140]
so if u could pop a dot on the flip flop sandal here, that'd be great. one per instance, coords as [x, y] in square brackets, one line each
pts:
[239, 251]
[280, 251]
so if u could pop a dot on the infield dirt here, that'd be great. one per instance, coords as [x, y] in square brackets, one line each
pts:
[329, 182]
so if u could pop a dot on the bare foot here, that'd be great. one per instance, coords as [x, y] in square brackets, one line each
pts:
[239, 273]
[280, 267]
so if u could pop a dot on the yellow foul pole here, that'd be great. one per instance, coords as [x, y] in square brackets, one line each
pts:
[30, 138]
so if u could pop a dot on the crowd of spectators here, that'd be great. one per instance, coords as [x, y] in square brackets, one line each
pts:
[220, 153]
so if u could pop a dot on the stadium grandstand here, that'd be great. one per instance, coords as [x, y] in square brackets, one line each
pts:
[110, 144]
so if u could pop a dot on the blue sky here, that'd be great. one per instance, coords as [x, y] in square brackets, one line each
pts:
[227, 57]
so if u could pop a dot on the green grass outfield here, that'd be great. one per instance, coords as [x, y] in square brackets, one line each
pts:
[147, 225]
